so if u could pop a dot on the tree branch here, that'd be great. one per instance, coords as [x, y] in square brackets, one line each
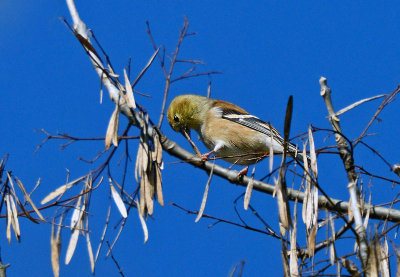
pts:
[341, 206]
[346, 153]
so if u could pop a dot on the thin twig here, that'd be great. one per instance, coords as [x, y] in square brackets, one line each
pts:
[388, 99]
[115, 261]
[117, 236]
[222, 220]
[187, 76]
[104, 233]
[182, 35]
[145, 68]
[352, 106]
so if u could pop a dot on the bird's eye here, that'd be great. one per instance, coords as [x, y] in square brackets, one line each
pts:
[176, 119]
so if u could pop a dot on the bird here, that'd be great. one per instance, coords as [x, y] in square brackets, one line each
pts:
[228, 131]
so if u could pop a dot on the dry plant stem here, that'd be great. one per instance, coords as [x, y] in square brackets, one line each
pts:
[336, 205]
[168, 74]
[342, 145]
[352, 106]
[348, 161]
[104, 233]
[283, 203]
[115, 261]
[242, 263]
[3, 269]
[388, 99]
[145, 68]
[187, 76]
[187, 136]
[245, 226]
[72, 139]
[285, 222]
[326, 243]
[182, 35]
[209, 89]
[57, 203]
[205, 195]
[83, 33]
[116, 237]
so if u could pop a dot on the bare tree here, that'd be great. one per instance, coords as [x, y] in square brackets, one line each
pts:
[301, 255]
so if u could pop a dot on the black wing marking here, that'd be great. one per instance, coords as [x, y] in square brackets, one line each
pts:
[256, 124]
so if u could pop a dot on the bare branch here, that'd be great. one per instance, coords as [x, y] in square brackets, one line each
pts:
[114, 260]
[183, 34]
[388, 99]
[336, 205]
[348, 161]
[352, 106]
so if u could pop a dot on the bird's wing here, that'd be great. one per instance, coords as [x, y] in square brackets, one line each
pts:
[240, 116]
[252, 122]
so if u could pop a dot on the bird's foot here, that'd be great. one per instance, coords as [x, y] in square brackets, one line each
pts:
[243, 172]
[205, 157]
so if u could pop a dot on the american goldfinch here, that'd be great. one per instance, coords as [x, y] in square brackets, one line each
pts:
[227, 130]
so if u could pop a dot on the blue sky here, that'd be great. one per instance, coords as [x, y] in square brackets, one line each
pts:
[267, 51]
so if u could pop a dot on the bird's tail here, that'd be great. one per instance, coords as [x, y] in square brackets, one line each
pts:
[296, 153]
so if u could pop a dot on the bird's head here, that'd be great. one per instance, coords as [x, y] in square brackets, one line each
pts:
[185, 112]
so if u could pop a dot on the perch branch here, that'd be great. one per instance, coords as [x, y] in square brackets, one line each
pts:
[175, 150]
[337, 205]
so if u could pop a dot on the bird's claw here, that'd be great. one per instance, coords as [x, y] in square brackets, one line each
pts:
[243, 172]
[205, 157]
